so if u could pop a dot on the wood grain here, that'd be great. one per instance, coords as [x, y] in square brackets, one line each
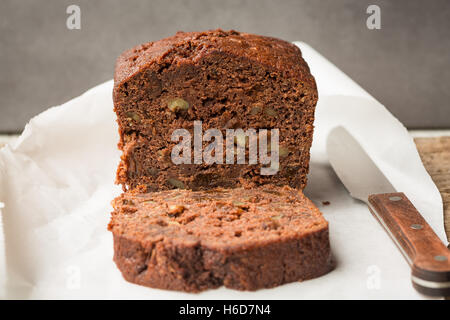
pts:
[435, 154]
[416, 238]
[428, 256]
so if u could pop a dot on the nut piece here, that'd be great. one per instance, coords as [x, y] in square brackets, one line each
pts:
[238, 203]
[177, 105]
[176, 183]
[241, 205]
[131, 115]
[175, 209]
[276, 217]
[152, 172]
[255, 109]
[270, 112]
[283, 152]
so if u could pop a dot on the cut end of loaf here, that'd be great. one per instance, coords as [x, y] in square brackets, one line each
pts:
[226, 80]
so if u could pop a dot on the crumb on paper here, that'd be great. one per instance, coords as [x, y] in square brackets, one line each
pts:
[326, 203]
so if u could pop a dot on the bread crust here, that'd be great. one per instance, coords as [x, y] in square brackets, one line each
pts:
[190, 47]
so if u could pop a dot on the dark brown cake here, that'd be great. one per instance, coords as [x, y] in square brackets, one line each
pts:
[240, 238]
[224, 79]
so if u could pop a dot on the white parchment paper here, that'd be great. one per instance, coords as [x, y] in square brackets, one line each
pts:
[57, 181]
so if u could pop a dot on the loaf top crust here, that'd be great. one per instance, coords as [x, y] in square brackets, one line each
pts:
[220, 219]
[190, 47]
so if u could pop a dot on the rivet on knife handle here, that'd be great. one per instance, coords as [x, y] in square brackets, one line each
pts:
[427, 255]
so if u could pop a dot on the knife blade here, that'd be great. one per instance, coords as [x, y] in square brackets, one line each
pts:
[428, 257]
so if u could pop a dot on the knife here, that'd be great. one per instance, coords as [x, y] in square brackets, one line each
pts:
[428, 257]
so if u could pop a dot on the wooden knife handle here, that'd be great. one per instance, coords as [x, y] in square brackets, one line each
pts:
[428, 256]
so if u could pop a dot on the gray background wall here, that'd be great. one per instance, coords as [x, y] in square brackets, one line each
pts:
[405, 65]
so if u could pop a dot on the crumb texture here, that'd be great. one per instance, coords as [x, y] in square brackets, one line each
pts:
[244, 239]
[226, 80]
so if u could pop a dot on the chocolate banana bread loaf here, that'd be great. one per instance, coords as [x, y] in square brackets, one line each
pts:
[243, 239]
[222, 80]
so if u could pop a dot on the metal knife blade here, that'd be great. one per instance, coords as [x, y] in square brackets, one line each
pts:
[354, 167]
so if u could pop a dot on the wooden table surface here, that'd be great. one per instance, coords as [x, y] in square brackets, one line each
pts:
[435, 154]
